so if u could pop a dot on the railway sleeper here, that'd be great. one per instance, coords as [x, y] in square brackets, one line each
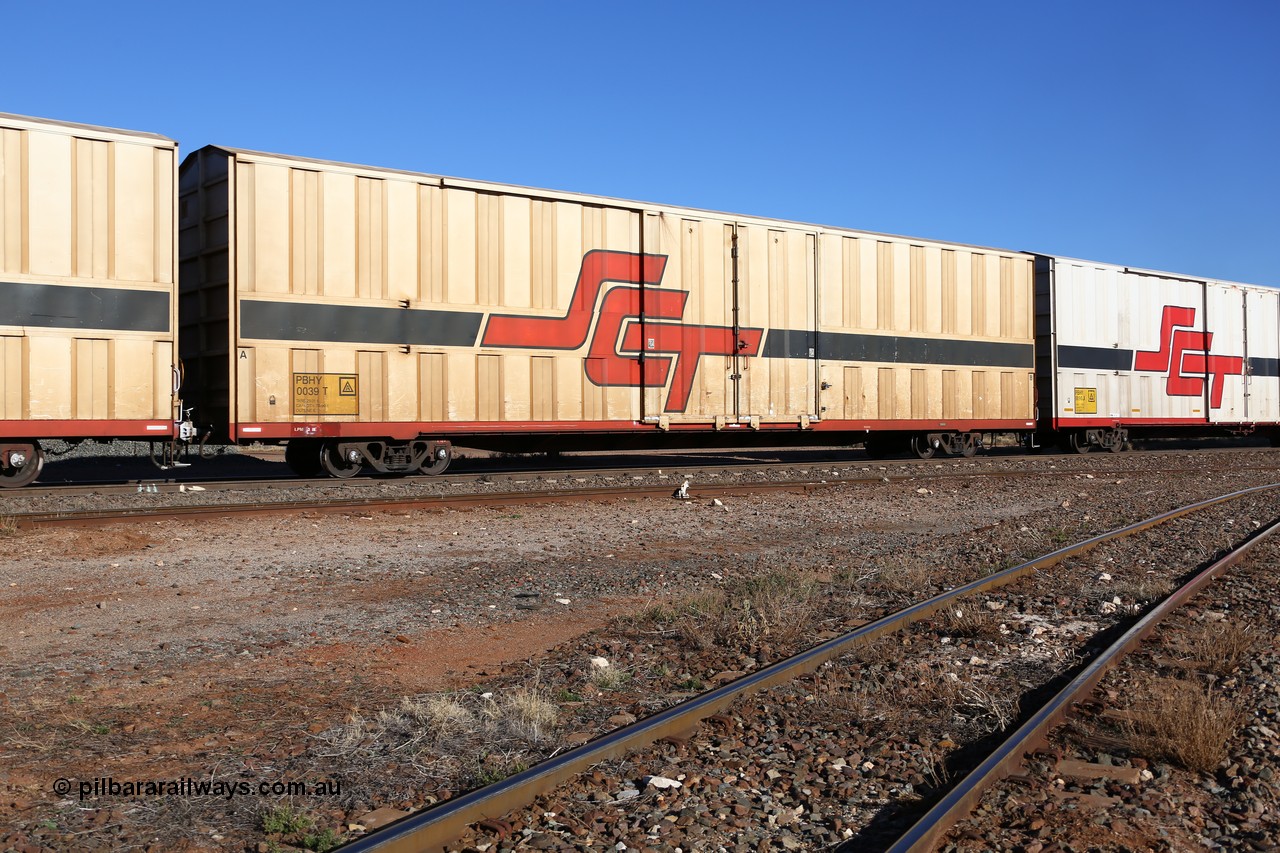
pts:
[343, 459]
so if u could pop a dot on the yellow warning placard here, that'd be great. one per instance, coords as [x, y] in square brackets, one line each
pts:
[1086, 401]
[326, 394]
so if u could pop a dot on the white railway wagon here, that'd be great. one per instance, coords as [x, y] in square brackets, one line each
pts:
[87, 280]
[371, 316]
[1128, 352]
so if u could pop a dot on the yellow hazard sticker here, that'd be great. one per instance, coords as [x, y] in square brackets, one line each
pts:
[326, 394]
[1086, 401]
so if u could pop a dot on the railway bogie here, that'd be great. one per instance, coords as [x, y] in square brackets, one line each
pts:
[308, 457]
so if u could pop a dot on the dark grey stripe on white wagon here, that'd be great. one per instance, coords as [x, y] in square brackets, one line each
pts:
[68, 306]
[1094, 358]
[356, 324]
[895, 349]
[1264, 366]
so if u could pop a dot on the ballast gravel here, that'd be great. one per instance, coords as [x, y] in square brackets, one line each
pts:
[280, 650]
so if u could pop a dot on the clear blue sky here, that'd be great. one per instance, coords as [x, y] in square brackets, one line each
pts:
[1141, 133]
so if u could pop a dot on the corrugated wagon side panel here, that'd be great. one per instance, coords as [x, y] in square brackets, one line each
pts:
[697, 265]
[1124, 347]
[338, 239]
[1222, 361]
[13, 372]
[1262, 318]
[348, 260]
[947, 330]
[12, 186]
[206, 339]
[87, 248]
[48, 210]
[779, 295]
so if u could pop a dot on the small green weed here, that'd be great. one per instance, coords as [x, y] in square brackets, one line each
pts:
[321, 842]
[283, 820]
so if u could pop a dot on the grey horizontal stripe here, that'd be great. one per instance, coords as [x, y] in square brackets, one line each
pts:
[1094, 358]
[1264, 366]
[67, 306]
[788, 343]
[353, 324]
[893, 349]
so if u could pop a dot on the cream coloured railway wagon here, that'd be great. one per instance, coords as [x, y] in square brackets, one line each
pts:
[87, 277]
[369, 316]
[1128, 352]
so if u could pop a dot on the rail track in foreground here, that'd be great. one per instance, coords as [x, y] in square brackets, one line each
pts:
[440, 826]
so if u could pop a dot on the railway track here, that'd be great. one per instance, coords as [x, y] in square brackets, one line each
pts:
[222, 497]
[440, 827]
[271, 473]
[1008, 757]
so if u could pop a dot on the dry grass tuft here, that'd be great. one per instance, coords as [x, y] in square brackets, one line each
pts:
[779, 608]
[609, 677]
[1142, 589]
[527, 713]
[1184, 722]
[8, 526]
[898, 697]
[899, 577]
[439, 733]
[1221, 647]
[437, 717]
[969, 620]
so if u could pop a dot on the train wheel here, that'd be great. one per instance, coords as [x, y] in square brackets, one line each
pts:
[438, 461]
[336, 464]
[922, 447]
[1078, 441]
[968, 445]
[302, 455]
[25, 462]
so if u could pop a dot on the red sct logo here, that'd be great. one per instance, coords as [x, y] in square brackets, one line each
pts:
[632, 317]
[1184, 356]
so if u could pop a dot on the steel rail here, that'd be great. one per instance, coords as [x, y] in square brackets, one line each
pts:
[1007, 757]
[681, 466]
[339, 504]
[97, 517]
[438, 826]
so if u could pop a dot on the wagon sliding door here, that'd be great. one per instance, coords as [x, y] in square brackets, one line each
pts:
[777, 363]
[688, 328]
[728, 332]
[1262, 352]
